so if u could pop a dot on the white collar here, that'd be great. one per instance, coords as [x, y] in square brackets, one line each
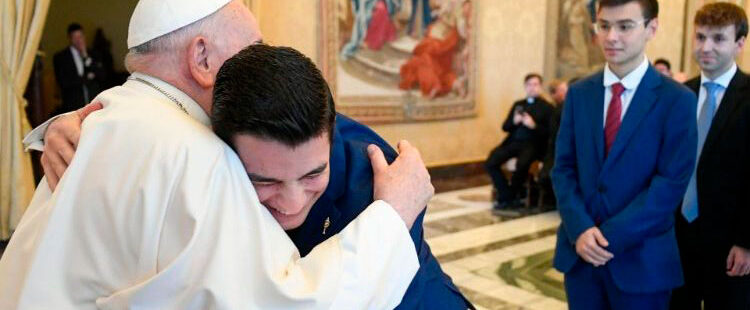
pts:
[631, 80]
[192, 108]
[723, 79]
[74, 51]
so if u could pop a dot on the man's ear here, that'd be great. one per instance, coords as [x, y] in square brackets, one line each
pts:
[198, 64]
[652, 26]
[741, 43]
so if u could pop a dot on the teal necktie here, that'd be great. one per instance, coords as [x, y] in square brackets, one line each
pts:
[690, 202]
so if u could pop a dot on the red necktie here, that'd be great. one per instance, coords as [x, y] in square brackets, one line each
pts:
[612, 125]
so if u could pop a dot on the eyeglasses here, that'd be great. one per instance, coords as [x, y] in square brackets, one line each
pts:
[623, 28]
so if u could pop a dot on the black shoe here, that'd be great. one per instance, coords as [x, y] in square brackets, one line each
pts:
[501, 205]
[511, 208]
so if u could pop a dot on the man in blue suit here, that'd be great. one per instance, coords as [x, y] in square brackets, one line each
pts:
[272, 105]
[625, 153]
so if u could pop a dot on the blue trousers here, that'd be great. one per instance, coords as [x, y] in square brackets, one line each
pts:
[592, 288]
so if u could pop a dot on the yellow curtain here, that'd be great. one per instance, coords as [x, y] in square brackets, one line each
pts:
[21, 25]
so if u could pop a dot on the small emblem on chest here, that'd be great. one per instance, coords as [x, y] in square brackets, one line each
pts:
[326, 224]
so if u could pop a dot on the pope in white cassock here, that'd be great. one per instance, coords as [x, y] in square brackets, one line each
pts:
[155, 212]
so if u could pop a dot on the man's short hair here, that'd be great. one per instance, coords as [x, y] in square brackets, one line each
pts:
[74, 27]
[663, 62]
[722, 14]
[274, 93]
[650, 7]
[531, 76]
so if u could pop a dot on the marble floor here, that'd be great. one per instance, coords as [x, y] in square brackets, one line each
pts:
[498, 262]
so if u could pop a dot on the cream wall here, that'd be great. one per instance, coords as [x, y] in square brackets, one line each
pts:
[668, 42]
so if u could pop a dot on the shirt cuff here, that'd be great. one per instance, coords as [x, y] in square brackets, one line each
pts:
[35, 139]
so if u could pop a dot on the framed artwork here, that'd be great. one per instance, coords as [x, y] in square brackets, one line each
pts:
[400, 60]
[575, 52]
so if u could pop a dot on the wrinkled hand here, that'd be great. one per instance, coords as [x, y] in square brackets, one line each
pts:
[738, 262]
[61, 141]
[405, 184]
[590, 246]
[528, 121]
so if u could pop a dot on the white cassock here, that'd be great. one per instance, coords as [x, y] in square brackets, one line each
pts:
[156, 212]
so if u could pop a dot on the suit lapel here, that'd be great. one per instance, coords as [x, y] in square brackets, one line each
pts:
[695, 85]
[596, 113]
[729, 102]
[642, 101]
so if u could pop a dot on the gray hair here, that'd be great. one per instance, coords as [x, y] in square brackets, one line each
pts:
[171, 43]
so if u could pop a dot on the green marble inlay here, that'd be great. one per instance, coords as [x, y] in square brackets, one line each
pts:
[534, 274]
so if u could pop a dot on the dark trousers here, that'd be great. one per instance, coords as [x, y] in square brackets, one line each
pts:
[704, 268]
[525, 152]
[592, 288]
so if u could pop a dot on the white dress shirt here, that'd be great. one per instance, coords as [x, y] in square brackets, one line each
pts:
[77, 60]
[722, 80]
[630, 82]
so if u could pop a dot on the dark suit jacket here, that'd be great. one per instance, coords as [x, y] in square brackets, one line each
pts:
[723, 174]
[349, 193]
[541, 111]
[71, 84]
[632, 193]
[554, 127]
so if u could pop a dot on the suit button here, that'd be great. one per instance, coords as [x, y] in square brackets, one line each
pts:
[602, 189]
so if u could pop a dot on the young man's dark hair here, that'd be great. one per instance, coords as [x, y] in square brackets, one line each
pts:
[650, 7]
[271, 92]
[663, 62]
[721, 14]
[531, 76]
[74, 27]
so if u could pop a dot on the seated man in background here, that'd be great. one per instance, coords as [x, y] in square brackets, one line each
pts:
[273, 107]
[527, 127]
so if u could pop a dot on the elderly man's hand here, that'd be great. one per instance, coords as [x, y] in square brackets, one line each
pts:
[405, 184]
[61, 141]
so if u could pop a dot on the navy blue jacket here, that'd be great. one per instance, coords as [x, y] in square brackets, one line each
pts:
[633, 192]
[349, 192]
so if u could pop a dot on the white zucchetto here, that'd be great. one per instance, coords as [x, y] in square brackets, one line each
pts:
[154, 18]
